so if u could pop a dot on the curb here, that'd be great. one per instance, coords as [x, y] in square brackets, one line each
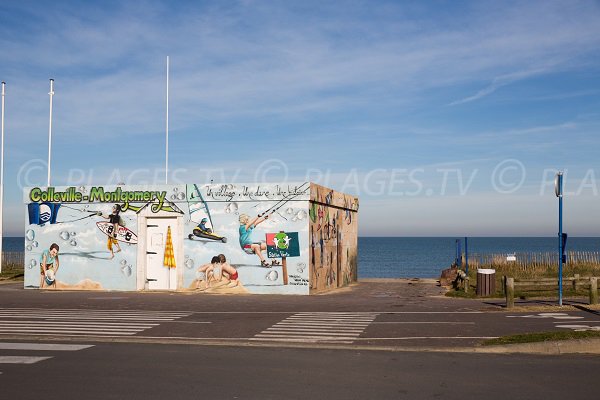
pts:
[573, 346]
[550, 348]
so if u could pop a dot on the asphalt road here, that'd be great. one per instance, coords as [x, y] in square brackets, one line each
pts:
[144, 371]
[373, 314]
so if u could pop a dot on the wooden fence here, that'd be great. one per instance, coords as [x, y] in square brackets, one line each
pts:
[13, 259]
[532, 260]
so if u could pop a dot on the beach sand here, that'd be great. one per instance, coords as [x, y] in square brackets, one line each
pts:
[218, 288]
[86, 284]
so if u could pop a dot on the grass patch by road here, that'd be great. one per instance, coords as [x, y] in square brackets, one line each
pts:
[542, 337]
[12, 272]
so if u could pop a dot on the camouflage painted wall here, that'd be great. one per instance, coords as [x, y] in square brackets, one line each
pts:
[333, 234]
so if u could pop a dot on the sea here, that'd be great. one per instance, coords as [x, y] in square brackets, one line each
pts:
[424, 257]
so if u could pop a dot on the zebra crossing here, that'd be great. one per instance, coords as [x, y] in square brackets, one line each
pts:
[318, 327]
[78, 322]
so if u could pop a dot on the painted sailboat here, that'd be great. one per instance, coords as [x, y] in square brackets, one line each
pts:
[200, 214]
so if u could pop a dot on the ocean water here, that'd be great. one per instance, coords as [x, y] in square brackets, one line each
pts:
[424, 257]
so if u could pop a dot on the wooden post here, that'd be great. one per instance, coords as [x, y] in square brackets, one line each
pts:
[575, 279]
[593, 290]
[510, 292]
[284, 267]
[466, 283]
[284, 270]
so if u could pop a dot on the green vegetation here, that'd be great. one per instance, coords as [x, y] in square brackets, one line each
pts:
[542, 337]
[11, 271]
[531, 272]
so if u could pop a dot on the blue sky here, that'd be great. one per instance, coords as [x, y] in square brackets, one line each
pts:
[445, 117]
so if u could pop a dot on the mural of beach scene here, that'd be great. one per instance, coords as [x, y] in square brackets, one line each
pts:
[226, 238]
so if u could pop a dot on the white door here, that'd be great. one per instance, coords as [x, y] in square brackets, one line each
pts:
[157, 274]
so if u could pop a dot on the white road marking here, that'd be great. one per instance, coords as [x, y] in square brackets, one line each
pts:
[424, 322]
[44, 346]
[546, 315]
[21, 359]
[80, 322]
[327, 327]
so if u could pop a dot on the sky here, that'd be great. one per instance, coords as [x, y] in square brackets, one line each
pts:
[446, 118]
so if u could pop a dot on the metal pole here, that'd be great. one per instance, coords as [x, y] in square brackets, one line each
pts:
[466, 257]
[560, 241]
[50, 131]
[167, 130]
[2, 179]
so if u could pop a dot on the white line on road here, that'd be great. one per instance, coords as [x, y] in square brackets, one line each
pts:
[21, 359]
[81, 323]
[316, 329]
[287, 322]
[44, 347]
[259, 336]
[424, 322]
[67, 332]
[304, 332]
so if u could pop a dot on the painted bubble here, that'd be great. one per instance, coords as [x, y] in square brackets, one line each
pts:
[86, 206]
[64, 235]
[35, 243]
[231, 207]
[30, 235]
[189, 263]
[126, 270]
[176, 189]
[82, 189]
[32, 264]
[302, 214]
[73, 234]
[180, 196]
[300, 267]
[289, 211]
[73, 242]
[28, 247]
[173, 197]
[295, 219]
[272, 276]
[123, 262]
[186, 256]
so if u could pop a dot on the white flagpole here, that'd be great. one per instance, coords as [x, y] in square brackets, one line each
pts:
[2, 178]
[50, 130]
[167, 130]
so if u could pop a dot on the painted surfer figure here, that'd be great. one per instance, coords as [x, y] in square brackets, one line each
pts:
[115, 220]
[250, 247]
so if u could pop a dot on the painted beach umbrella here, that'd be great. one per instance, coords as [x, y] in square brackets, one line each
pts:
[169, 260]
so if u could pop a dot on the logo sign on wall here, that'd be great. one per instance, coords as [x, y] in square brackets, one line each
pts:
[283, 244]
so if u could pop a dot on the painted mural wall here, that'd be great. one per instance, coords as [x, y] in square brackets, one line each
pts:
[234, 238]
[333, 232]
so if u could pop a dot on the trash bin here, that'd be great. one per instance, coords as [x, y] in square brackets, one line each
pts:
[486, 282]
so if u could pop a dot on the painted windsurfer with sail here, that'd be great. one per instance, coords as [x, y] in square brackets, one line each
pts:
[200, 214]
[246, 242]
